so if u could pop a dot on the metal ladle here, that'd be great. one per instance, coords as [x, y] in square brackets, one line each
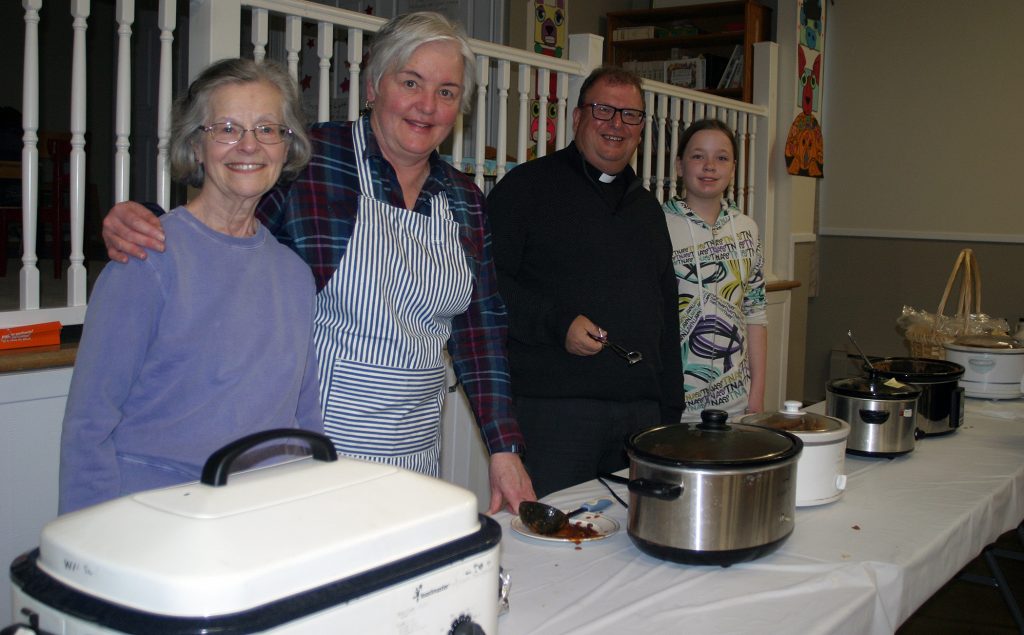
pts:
[546, 520]
[631, 357]
[867, 361]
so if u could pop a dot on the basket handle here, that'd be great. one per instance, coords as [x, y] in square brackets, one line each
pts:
[970, 285]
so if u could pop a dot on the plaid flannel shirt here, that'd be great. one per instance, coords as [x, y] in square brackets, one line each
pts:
[315, 215]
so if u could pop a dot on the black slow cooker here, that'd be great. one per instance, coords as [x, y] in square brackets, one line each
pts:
[940, 408]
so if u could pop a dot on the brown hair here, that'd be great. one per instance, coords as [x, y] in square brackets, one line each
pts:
[614, 75]
[708, 124]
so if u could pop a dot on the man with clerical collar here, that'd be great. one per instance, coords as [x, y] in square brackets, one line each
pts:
[584, 262]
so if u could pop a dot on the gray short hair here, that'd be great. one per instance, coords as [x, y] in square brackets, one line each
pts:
[192, 109]
[399, 38]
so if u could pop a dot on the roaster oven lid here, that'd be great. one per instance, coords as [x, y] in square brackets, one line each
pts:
[271, 532]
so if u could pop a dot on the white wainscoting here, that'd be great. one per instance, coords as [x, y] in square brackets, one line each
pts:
[31, 411]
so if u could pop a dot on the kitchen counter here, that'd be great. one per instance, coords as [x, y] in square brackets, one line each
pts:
[40, 357]
[863, 564]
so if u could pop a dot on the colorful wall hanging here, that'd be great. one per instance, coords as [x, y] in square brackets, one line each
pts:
[804, 145]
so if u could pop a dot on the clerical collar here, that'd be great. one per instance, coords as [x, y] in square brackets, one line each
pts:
[607, 178]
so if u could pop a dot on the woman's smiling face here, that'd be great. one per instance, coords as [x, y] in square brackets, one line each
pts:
[242, 171]
[415, 106]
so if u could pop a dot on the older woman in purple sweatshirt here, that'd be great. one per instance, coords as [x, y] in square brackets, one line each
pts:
[212, 339]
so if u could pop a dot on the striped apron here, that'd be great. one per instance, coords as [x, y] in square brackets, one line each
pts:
[382, 322]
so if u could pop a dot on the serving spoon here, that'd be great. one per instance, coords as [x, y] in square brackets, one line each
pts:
[867, 361]
[546, 520]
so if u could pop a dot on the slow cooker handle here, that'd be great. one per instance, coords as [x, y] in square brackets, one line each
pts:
[218, 466]
[655, 489]
[873, 416]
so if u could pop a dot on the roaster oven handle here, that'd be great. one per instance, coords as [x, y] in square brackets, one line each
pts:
[218, 466]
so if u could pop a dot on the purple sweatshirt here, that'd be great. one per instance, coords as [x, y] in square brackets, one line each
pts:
[182, 353]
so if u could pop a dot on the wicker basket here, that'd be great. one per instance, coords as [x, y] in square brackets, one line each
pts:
[927, 340]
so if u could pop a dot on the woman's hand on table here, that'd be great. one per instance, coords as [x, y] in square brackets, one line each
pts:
[129, 229]
[510, 483]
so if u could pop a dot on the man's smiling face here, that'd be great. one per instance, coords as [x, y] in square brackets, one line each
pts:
[607, 145]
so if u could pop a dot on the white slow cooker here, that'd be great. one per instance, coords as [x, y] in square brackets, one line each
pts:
[993, 365]
[821, 473]
[309, 546]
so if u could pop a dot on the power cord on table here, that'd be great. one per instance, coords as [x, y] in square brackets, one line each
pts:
[615, 479]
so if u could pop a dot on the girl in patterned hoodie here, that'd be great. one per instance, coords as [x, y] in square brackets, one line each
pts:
[716, 253]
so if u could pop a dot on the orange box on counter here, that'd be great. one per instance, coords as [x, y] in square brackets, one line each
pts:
[44, 334]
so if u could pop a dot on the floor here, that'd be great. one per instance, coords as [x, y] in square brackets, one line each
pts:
[968, 608]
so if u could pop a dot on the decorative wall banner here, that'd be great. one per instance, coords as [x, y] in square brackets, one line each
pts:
[547, 28]
[804, 144]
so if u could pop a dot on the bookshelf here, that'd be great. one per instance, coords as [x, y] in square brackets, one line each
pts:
[715, 32]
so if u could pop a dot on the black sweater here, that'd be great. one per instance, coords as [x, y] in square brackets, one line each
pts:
[562, 249]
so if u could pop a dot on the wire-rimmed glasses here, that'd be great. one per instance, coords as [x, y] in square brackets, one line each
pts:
[231, 133]
[604, 112]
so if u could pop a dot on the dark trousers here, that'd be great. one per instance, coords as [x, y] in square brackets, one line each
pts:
[569, 441]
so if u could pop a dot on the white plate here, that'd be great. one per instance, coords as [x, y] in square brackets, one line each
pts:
[603, 525]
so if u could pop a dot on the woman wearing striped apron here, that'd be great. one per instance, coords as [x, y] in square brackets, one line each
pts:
[384, 378]
[401, 255]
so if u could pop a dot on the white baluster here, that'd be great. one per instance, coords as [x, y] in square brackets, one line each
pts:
[324, 51]
[523, 137]
[503, 80]
[659, 172]
[260, 33]
[76, 272]
[674, 145]
[166, 21]
[563, 96]
[28, 277]
[355, 58]
[745, 163]
[483, 72]
[648, 138]
[457, 140]
[123, 99]
[293, 43]
[543, 92]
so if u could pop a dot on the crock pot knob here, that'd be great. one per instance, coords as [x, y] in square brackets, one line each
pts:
[792, 407]
[713, 420]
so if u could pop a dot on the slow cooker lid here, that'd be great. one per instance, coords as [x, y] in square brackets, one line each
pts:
[793, 418]
[993, 343]
[917, 369]
[874, 388]
[714, 443]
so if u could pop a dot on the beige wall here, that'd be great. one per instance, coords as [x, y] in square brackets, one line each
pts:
[921, 141]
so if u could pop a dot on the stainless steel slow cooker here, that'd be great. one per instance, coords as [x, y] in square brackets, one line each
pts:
[711, 492]
[993, 365]
[940, 408]
[821, 474]
[307, 546]
[882, 414]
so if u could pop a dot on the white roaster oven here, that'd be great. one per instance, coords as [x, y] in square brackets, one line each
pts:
[313, 545]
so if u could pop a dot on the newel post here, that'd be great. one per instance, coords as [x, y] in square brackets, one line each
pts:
[588, 50]
[215, 28]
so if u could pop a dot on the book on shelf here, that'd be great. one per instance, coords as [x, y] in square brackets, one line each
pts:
[654, 70]
[736, 81]
[624, 33]
[730, 68]
[688, 72]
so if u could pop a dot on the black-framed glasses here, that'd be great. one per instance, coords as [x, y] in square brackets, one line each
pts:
[604, 112]
[230, 133]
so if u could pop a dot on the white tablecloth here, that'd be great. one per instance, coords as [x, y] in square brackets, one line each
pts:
[863, 564]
